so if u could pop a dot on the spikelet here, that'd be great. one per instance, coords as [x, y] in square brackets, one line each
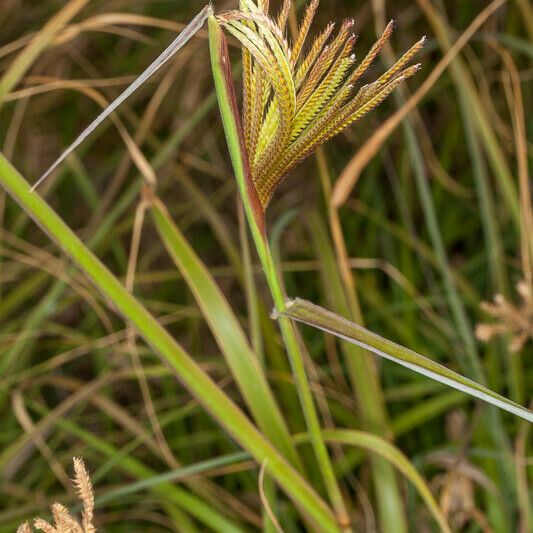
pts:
[64, 522]
[313, 54]
[85, 493]
[43, 525]
[283, 16]
[295, 101]
[512, 321]
[372, 53]
[303, 30]
[325, 61]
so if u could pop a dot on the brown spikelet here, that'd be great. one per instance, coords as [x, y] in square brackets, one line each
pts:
[283, 16]
[304, 30]
[402, 62]
[248, 91]
[60, 515]
[372, 53]
[43, 525]
[64, 522]
[295, 101]
[325, 61]
[85, 493]
[510, 320]
[312, 56]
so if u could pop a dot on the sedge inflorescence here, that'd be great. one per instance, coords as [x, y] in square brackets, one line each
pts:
[295, 97]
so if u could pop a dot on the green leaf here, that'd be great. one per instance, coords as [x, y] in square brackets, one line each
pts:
[228, 333]
[320, 318]
[169, 479]
[379, 446]
[193, 377]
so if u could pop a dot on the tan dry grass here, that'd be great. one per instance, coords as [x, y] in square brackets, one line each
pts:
[64, 522]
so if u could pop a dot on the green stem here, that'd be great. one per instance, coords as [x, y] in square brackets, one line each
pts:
[302, 385]
[255, 217]
[362, 368]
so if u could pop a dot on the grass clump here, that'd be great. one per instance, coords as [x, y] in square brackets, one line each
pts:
[136, 329]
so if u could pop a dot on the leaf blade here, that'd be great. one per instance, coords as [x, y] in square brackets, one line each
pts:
[226, 413]
[318, 317]
[228, 333]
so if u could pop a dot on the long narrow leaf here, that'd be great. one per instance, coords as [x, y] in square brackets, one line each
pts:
[379, 446]
[320, 318]
[229, 335]
[167, 54]
[172, 476]
[200, 385]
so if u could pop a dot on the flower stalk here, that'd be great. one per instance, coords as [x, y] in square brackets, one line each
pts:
[293, 101]
[256, 221]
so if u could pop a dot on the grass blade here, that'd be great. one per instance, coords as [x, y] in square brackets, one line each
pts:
[379, 446]
[165, 56]
[320, 318]
[242, 361]
[200, 385]
[172, 476]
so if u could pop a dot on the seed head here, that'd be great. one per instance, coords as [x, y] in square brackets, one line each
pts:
[293, 100]
[512, 321]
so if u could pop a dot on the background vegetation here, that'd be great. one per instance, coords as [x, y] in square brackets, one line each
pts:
[437, 222]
